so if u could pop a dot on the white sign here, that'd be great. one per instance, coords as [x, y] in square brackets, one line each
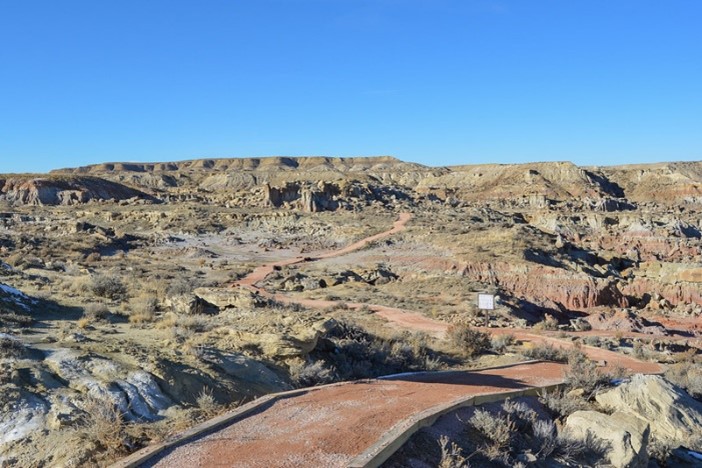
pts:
[486, 301]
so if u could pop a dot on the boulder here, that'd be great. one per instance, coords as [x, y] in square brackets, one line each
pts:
[133, 392]
[580, 324]
[224, 298]
[300, 341]
[624, 435]
[674, 416]
[189, 304]
[255, 375]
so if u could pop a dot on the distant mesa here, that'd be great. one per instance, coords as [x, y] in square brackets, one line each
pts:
[317, 183]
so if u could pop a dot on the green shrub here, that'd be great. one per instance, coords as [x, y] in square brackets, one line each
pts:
[311, 374]
[547, 352]
[11, 347]
[467, 340]
[110, 287]
[687, 375]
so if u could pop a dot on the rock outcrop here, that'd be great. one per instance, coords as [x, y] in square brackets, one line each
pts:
[226, 298]
[665, 183]
[66, 190]
[298, 342]
[571, 290]
[306, 197]
[624, 436]
[673, 415]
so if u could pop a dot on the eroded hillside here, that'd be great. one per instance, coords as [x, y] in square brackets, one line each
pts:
[118, 286]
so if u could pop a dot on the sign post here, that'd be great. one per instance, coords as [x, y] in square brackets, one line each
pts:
[486, 302]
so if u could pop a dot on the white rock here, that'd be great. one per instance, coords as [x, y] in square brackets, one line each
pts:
[625, 434]
[674, 416]
[26, 416]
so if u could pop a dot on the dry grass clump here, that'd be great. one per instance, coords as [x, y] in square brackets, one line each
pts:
[687, 375]
[451, 454]
[194, 323]
[104, 427]
[561, 403]
[23, 261]
[11, 318]
[468, 341]
[498, 430]
[143, 309]
[96, 311]
[179, 287]
[84, 323]
[583, 373]
[183, 328]
[93, 257]
[208, 404]
[505, 436]
[500, 343]
[549, 323]
[349, 352]
[583, 380]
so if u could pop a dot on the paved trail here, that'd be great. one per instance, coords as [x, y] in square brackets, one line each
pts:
[329, 426]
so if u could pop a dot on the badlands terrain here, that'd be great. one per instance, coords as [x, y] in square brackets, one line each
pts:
[140, 300]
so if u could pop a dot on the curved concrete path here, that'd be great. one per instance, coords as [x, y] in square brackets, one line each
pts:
[330, 426]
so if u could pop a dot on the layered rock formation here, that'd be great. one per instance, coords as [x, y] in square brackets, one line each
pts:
[65, 190]
[673, 415]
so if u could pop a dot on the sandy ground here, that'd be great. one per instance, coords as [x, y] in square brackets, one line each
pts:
[329, 426]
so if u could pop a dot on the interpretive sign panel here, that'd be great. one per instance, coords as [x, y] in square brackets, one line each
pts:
[486, 301]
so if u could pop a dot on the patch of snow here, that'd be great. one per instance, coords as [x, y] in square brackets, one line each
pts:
[19, 297]
[25, 416]
[5, 336]
[149, 390]
[137, 396]
[13, 291]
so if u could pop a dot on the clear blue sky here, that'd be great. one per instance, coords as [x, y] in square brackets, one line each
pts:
[434, 81]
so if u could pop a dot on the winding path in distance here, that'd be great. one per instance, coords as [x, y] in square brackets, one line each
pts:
[260, 273]
[415, 321]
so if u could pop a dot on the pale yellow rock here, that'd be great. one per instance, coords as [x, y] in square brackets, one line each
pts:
[674, 416]
[624, 433]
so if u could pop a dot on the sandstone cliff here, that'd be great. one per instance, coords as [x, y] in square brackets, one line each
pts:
[65, 190]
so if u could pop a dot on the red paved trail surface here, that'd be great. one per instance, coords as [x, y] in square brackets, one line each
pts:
[329, 426]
